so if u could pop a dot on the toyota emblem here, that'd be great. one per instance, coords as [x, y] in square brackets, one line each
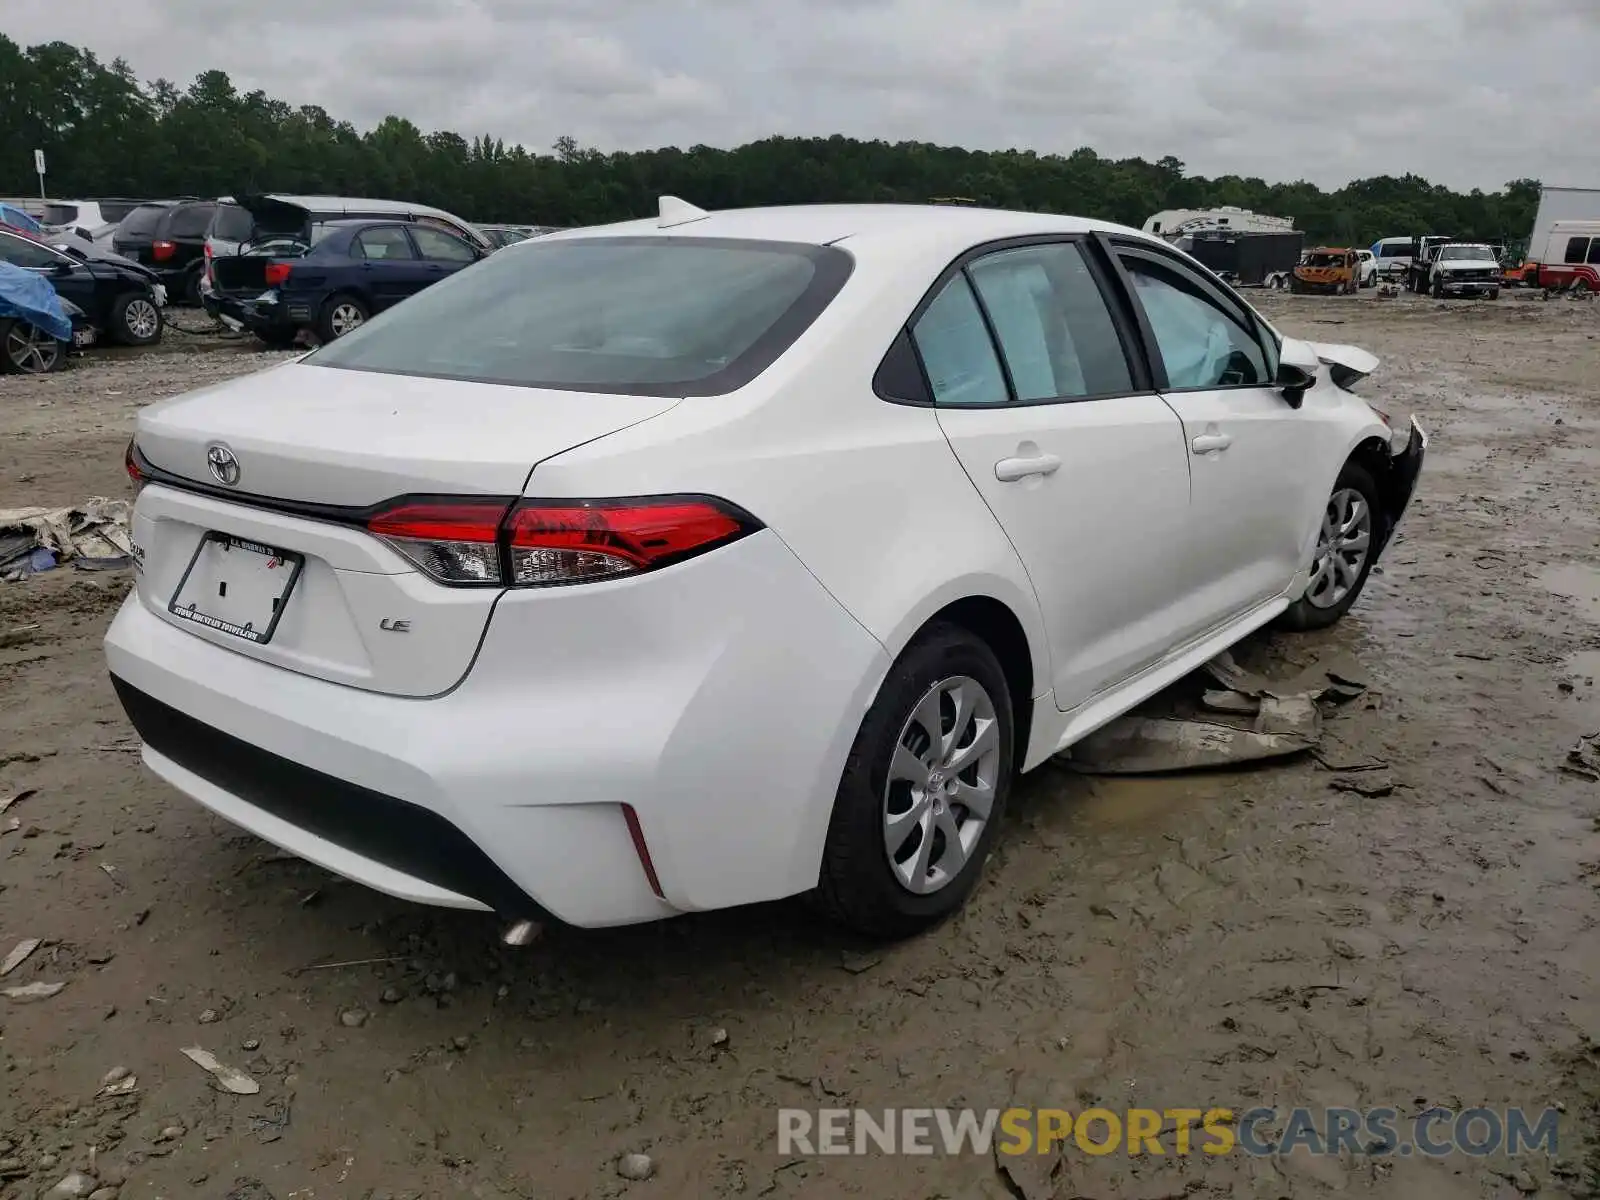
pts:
[224, 466]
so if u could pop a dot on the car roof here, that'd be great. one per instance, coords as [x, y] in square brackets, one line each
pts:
[359, 203]
[826, 224]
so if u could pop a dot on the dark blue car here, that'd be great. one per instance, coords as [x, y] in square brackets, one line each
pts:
[350, 270]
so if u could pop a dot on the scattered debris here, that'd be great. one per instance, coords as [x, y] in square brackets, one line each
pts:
[860, 964]
[111, 874]
[719, 1036]
[230, 1079]
[121, 1085]
[1336, 677]
[37, 539]
[1583, 759]
[75, 1184]
[19, 954]
[353, 1018]
[354, 962]
[635, 1166]
[1372, 784]
[18, 635]
[31, 991]
[18, 798]
[1156, 745]
[209, 1016]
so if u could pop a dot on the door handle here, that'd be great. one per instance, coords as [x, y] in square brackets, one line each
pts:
[1009, 470]
[1208, 442]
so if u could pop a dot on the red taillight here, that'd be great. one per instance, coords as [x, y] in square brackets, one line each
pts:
[643, 851]
[453, 541]
[161, 251]
[572, 543]
[130, 463]
[209, 277]
[544, 543]
[277, 274]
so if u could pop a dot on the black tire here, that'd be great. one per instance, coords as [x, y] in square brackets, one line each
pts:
[327, 329]
[146, 315]
[857, 887]
[50, 354]
[191, 285]
[278, 339]
[1438, 289]
[1494, 293]
[1304, 614]
[1296, 286]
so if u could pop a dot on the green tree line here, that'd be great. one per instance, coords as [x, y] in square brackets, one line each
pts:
[107, 134]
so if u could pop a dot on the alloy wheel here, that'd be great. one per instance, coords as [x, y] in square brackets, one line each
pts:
[941, 784]
[142, 319]
[344, 318]
[1343, 544]
[31, 351]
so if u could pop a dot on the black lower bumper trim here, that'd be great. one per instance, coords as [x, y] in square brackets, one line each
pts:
[394, 832]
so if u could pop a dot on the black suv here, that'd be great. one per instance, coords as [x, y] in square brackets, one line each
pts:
[169, 237]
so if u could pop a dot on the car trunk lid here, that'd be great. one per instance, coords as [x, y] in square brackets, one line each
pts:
[316, 449]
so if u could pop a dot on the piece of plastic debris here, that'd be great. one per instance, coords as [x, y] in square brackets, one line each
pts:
[1371, 784]
[1297, 716]
[18, 798]
[1155, 746]
[121, 1087]
[230, 1079]
[1227, 700]
[31, 991]
[19, 954]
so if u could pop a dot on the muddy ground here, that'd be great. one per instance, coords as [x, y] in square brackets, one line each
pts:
[1229, 939]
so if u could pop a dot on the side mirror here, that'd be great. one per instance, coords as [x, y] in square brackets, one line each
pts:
[1297, 371]
[62, 268]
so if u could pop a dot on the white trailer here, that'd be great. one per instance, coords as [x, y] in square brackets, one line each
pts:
[1173, 223]
[1561, 204]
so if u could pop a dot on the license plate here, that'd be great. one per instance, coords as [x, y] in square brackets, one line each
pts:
[236, 586]
[83, 337]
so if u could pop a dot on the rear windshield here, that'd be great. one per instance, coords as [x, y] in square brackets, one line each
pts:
[1325, 260]
[644, 315]
[231, 224]
[59, 214]
[142, 221]
[190, 220]
[115, 210]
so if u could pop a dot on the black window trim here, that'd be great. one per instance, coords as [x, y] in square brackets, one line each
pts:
[1242, 314]
[1111, 293]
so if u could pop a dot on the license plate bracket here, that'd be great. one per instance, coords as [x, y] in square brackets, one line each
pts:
[237, 586]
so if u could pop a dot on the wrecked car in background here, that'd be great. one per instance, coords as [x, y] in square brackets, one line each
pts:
[332, 282]
[118, 301]
[37, 327]
[1328, 269]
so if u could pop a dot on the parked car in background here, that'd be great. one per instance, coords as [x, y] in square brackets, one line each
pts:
[1457, 269]
[1327, 269]
[242, 222]
[12, 217]
[37, 325]
[169, 237]
[1368, 275]
[509, 235]
[523, 596]
[120, 303]
[330, 283]
[96, 220]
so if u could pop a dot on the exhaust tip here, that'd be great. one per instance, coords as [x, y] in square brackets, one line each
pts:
[520, 933]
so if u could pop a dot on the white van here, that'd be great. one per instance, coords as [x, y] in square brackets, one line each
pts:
[1393, 256]
[1569, 258]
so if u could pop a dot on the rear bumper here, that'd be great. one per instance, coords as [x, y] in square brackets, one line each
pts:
[717, 698]
[268, 318]
[1404, 468]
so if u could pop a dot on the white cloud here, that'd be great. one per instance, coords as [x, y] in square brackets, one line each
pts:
[1466, 92]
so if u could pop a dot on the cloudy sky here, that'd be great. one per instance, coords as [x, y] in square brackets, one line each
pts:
[1467, 92]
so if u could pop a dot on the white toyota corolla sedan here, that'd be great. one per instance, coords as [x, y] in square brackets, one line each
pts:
[716, 558]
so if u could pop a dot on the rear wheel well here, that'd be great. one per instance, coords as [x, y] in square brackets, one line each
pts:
[987, 618]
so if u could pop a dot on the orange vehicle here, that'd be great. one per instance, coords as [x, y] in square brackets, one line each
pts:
[1327, 269]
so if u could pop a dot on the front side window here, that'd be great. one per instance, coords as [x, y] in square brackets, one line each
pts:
[956, 350]
[1055, 331]
[659, 316]
[440, 246]
[1202, 345]
[20, 252]
[385, 244]
[1577, 249]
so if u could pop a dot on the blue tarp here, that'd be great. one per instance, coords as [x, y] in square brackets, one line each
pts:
[13, 216]
[29, 295]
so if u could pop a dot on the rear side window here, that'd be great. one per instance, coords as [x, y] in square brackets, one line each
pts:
[956, 350]
[190, 220]
[1594, 251]
[142, 221]
[1577, 249]
[384, 245]
[20, 252]
[231, 223]
[642, 315]
[441, 246]
[1054, 328]
[1395, 250]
